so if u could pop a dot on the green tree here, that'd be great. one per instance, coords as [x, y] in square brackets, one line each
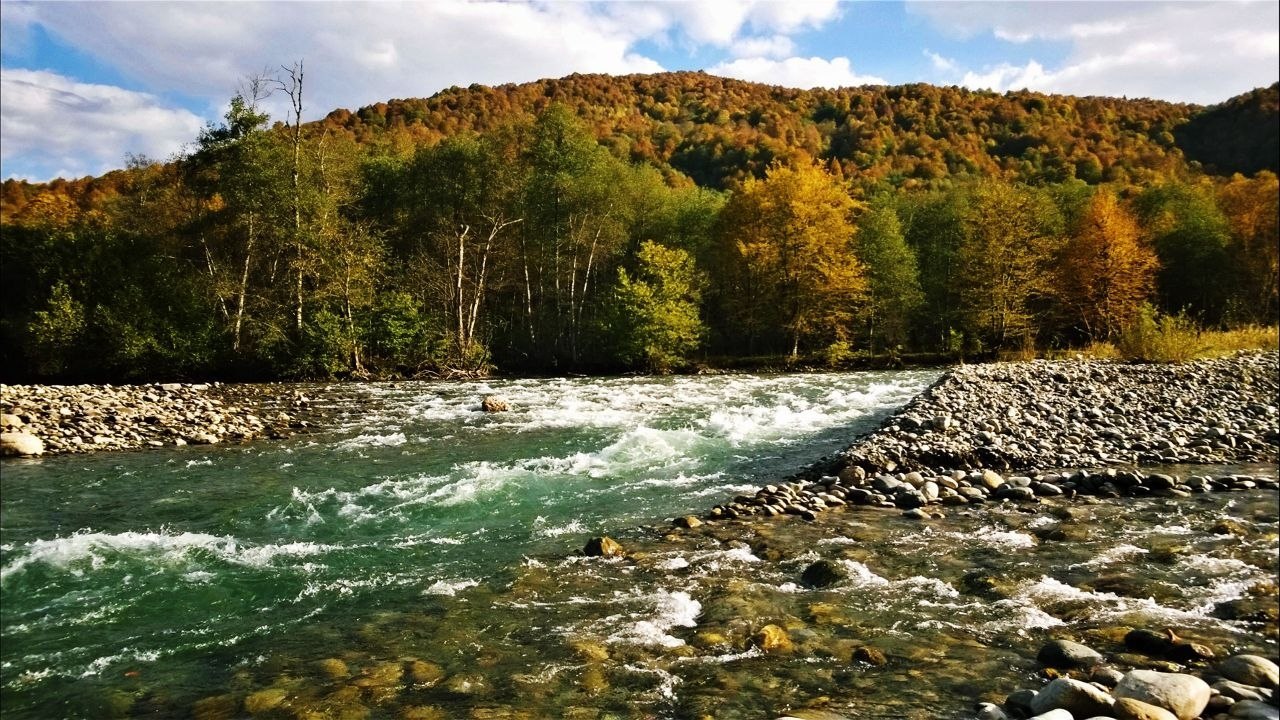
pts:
[893, 282]
[656, 310]
[1191, 238]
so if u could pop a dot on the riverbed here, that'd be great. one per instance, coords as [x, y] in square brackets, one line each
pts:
[418, 560]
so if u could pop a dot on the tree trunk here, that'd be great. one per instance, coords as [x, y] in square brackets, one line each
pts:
[244, 288]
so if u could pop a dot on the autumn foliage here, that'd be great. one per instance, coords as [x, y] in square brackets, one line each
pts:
[597, 223]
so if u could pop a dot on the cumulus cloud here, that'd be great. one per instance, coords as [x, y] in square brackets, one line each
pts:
[1192, 52]
[777, 46]
[68, 128]
[796, 72]
[940, 63]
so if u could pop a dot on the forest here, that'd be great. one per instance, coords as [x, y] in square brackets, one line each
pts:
[655, 223]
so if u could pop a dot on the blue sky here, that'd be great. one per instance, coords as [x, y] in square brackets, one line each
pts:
[86, 83]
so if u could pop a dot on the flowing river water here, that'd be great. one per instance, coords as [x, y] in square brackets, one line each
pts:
[418, 559]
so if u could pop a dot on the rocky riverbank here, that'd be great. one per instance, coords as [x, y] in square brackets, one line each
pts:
[53, 419]
[1022, 431]
[1086, 685]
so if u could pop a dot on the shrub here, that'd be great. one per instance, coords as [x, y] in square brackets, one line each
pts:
[1152, 337]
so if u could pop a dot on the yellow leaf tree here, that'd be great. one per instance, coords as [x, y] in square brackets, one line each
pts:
[791, 237]
[1252, 207]
[1107, 270]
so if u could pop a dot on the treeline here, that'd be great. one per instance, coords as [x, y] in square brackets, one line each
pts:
[302, 251]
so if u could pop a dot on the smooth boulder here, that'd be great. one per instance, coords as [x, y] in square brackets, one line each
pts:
[1250, 670]
[1131, 709]
[1078, 698]
[20, 444]
[1183, 695]
[1065, 655]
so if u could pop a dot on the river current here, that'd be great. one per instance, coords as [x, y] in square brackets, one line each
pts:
[417, 559]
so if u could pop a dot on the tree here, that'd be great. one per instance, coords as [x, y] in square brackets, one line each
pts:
[237, 168]
[1191, 237]
[893, 280]
[933, 228]
[656, 311]
[1106, 271]
[1252, 209]
[792, 238]
[1011, 234]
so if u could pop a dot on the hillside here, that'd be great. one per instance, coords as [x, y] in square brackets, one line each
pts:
[716, 130]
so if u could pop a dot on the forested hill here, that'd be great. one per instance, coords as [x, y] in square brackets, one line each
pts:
[717, 129]
[644, 222]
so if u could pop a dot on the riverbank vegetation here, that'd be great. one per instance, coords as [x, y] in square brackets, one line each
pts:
[646, 222]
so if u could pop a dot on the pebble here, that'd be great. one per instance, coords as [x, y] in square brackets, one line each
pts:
[1012, 427]
[55, 419]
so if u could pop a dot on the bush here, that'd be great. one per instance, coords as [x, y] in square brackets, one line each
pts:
[1152, 337]
[837, 353]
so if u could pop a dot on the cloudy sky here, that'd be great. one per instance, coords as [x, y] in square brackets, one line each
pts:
[82, 84]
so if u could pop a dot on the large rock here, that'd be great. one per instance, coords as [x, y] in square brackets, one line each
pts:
[603, 547]
[20, 444]
[772, 639]
[1080, 699]
[1183, 695]
[8, 420]
[1250, 670]
[1065, 655]
[493, 403]
[823, 573]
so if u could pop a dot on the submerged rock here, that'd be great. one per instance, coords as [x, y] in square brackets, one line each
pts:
[603, 547]
[772, 639]
[823, 573]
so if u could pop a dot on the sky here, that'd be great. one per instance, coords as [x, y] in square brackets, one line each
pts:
[83, 85]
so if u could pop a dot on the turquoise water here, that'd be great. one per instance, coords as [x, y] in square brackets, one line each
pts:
[417, 560]
[138, 582]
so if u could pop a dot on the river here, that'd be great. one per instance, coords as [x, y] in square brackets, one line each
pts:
[417, 560]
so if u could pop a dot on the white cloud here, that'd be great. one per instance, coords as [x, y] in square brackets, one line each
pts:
[355, 54]
[68, 128]
[1191, 52]
[776, 46]
[940, 63]
[1006, 77]
[796, 72]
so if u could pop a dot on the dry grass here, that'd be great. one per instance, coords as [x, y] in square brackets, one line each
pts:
[1167, 342]
[1250, 337]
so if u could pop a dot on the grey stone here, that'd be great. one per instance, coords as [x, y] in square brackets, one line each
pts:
[1250, 670]
[1254, 710]
[1065, 655]
[1183, 695]
[1079, 698]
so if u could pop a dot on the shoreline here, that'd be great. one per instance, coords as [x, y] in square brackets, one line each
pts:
[1021, 431]
[42, 420]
